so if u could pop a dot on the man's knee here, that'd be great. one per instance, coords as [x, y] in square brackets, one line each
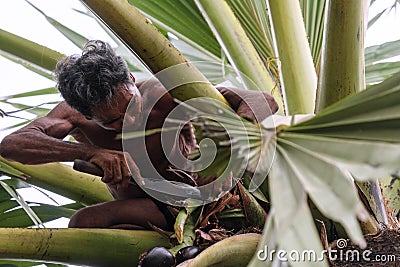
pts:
[88, 217]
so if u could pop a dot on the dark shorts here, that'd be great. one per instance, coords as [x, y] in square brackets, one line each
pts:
[167, 214]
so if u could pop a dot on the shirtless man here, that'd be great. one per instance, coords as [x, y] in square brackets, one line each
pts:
[97, 88]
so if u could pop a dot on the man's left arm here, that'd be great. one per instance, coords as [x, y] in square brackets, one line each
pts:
[254, 105]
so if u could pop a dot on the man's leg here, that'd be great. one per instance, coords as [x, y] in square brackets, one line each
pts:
[123, 214]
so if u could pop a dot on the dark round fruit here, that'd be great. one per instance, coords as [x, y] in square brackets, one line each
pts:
[158, 257]
[187, 253]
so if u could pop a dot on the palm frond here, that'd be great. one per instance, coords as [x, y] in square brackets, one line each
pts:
[26, 208]
[308, 151]
[376, 53]
[183, 19]
[314, 15]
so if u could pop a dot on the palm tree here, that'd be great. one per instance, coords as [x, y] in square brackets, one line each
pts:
[351, 138]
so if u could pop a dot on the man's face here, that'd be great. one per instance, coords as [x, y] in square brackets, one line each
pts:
[112, 115]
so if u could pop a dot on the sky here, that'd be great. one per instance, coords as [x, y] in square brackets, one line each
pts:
[18, 17]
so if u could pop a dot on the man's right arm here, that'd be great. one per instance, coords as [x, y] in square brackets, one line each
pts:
[41, 140]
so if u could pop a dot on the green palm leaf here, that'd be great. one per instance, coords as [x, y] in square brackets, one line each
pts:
[25, 207]
[39, 92]
[294, 225]
[254, 19]
[380, 71]
[183, 19]
[314, 14]
[18, 217]
[323, 163]
[380, 52]
[320, 162]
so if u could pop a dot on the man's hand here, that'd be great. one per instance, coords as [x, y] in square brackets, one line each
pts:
[257, 106]
[253, 105]
[115, 167]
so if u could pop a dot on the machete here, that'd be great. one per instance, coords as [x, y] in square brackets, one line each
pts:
[171, 188]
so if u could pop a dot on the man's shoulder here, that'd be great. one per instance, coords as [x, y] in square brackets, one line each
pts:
[152, 85]
[153, 90]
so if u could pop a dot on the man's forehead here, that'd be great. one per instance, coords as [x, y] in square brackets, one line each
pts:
[121, 91]
[108, 105]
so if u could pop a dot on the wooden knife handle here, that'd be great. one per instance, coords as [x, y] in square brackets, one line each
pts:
[87, 167]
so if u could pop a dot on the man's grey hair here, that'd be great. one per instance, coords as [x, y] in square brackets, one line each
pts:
[88, 79]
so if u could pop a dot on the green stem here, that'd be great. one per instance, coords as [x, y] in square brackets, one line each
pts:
[92, 247]
[297, 69]
[342, 62]
[342, 74]
[238, 47]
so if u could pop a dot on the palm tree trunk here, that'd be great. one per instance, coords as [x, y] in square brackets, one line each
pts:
[89, 247]
[342, 74]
